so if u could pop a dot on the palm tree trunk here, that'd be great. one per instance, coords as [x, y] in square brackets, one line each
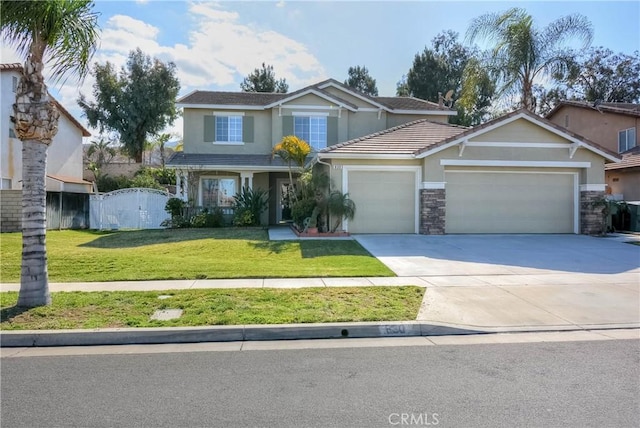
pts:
[36, 123]
[34, 284]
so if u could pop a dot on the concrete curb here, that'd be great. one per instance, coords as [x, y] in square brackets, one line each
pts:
[130, 336]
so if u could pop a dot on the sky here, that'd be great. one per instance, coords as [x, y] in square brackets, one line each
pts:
[216, 44]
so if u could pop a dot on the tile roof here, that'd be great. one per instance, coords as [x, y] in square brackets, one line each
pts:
[405, 139]
[409, 103]
[261, 99]
[630, 159]
[627, 109]
[68, 179]
[235, 160]
[12, 66]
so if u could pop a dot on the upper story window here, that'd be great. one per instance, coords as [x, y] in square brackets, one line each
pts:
[626, 139]
[14, 83]
[312, 129]
[229, 129]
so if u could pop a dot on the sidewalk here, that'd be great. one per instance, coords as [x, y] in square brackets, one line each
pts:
[451, 306]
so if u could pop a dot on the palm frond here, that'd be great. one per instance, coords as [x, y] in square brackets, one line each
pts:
[62, 33]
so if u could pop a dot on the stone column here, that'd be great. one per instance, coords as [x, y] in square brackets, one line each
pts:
[432, 211]
[591, 221]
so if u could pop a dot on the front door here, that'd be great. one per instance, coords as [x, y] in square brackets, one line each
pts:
[283, 206]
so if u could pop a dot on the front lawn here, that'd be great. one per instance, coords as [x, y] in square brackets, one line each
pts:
[89, 256]
[214, 307]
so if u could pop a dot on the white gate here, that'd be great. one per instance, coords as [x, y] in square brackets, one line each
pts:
[128, 209]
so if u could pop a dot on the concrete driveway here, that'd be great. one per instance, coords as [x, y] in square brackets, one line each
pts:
[511, 282]
[457, 255]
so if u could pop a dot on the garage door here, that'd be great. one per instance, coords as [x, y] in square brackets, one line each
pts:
[494, 202]
[385, 201]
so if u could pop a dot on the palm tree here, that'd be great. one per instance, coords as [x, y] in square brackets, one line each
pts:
[62, 34]
[522, 53]
[340, 206]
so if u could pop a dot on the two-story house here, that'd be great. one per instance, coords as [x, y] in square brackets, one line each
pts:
[406, 168]
[615, 126]
[229, 136]
[64, 156]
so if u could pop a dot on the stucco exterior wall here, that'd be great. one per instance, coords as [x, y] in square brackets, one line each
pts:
[64, 155]
[520, 130]
[194, 134]
[625, 182]
[600, 127]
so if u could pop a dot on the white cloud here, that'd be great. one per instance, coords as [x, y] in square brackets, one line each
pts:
[220, 51]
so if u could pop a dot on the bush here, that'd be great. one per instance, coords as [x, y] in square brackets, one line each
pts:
[249, 206]
[302, 209]
[207, 219]
[174, 207]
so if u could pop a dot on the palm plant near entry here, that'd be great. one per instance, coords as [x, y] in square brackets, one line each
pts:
[340, 206]
[522, 53]
[63, 35]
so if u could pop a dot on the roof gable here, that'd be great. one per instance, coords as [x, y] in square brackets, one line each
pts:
[511, 117]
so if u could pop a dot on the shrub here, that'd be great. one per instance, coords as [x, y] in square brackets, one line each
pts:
[249, 205]
[207, 219]
[301, 210]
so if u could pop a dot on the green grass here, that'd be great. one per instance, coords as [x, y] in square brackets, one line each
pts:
[214, 307]
[90, 256]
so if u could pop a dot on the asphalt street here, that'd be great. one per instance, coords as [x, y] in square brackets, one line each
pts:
[568, 384]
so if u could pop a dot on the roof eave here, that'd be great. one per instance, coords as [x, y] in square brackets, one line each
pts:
[221, 106]
[329, 155]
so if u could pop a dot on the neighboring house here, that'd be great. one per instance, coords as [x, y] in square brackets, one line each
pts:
[615, 126]
[64, 156]
[515, 174]
[229, 136]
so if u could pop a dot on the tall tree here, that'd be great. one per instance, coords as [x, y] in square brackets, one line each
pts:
[441, 68]
[136, 103]
[264, 80]
[522, 53]
[360, 79]
[63, 35]
[601, 74]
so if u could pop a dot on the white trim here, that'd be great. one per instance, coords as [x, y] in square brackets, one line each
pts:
[524, 164]
[369, 110]
[228, 143]
[353, 94]
[433, 185]
[229, 168]
[309, 113]
[517, 145]
[307, 92]
[329, 155]
[426, 112]
[221, 106]
[593, 187]
[417, 170]
[310, 107]
[227, 113]
[576, 194]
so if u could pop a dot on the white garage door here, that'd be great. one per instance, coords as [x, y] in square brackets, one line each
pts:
[508, 202]
[385, 201]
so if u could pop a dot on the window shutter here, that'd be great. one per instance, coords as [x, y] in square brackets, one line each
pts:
[332, 131]
[209, 129]
[247, 129]
[287, 125]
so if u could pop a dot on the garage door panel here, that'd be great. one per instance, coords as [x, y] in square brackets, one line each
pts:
[493, 202]
[385, 201]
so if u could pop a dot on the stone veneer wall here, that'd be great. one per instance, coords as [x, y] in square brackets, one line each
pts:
[432, 211]
[10, 210]
[591, 222]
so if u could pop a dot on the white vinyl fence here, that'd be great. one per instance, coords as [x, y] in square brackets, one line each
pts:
[135, 208]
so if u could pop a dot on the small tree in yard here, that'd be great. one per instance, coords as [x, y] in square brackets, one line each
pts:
[293, 151]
